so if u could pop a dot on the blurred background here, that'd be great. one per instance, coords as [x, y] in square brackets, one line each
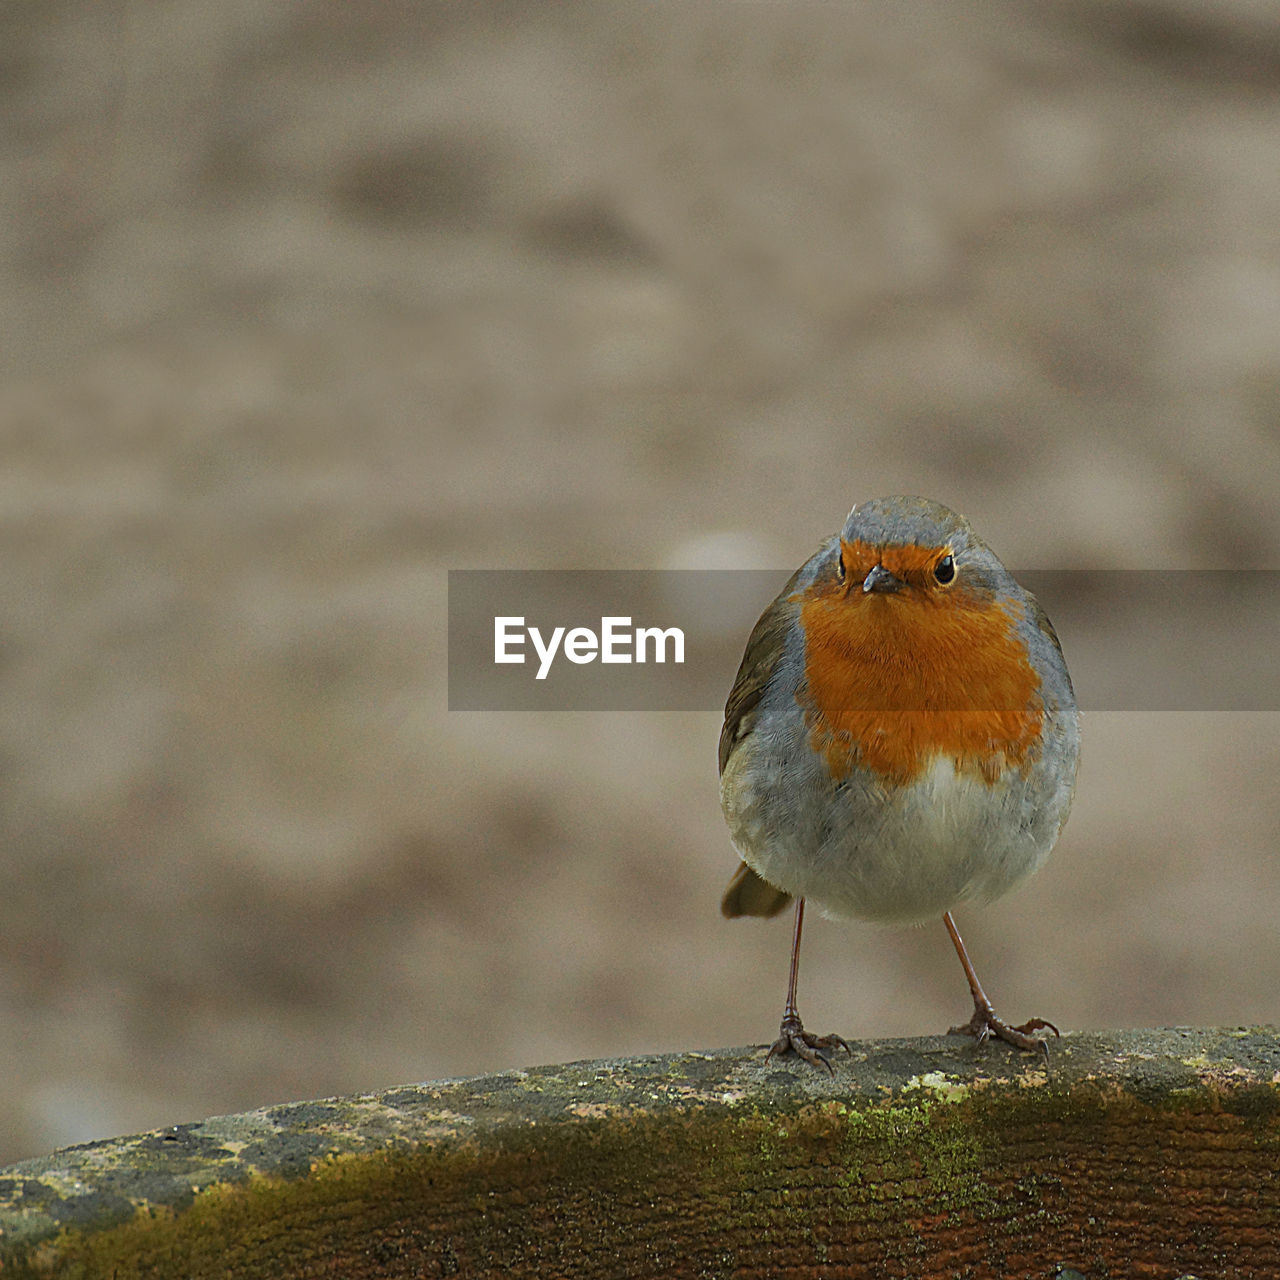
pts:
[304, 305]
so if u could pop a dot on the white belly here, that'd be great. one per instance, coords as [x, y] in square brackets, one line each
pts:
[903, 855]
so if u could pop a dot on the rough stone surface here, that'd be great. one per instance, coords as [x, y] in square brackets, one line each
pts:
[1139, 1153]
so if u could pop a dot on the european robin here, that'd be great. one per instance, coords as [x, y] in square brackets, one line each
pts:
[902, 736]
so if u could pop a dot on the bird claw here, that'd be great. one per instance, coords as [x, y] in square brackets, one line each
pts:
[984, 1024]
[816, 1050]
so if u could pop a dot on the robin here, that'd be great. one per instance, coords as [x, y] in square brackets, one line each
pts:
[902, 736]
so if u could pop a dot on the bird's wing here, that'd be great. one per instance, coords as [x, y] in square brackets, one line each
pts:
[764, 649]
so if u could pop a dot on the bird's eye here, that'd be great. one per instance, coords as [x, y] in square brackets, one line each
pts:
[945, 570]
[840, 567]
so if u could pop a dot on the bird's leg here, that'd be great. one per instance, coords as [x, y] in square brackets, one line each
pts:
[984, 1022]
[792, 1037]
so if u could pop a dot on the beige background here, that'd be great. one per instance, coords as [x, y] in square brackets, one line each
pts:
[305, 304]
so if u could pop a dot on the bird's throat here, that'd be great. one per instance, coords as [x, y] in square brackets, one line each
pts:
[893, 683]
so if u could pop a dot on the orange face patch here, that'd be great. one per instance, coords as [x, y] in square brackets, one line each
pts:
[896, 680]
[910, 563]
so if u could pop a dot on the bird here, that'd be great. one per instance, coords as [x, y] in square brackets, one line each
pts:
[902, 737]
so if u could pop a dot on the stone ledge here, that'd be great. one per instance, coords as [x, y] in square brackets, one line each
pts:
[1141, 1153]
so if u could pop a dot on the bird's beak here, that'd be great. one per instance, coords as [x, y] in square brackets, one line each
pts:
[880, 579]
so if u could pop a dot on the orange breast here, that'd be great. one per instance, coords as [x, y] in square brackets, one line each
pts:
[895, 681]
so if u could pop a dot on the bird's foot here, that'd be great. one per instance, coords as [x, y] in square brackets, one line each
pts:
[793, 1038]
[984, 1024]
